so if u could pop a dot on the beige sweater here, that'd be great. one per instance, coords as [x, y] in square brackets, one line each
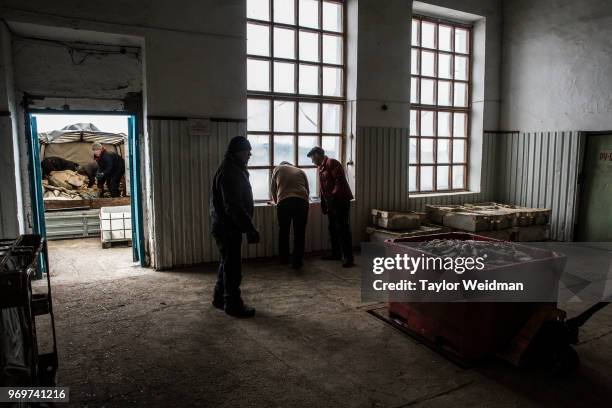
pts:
[288, 181]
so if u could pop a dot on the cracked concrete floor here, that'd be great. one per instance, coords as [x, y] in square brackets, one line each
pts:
[129, 336]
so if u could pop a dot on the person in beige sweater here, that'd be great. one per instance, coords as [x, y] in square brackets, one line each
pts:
[290, 193]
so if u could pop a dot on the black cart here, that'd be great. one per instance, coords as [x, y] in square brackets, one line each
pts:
[20, 362]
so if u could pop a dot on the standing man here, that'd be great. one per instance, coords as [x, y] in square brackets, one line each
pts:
[290, 193]
[336, 199]
[231, 213]
[111, 168]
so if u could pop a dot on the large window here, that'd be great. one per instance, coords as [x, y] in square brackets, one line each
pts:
[295, 85]
[440, 106]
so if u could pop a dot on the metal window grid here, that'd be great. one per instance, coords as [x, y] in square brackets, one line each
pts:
[417, 106]
[298, 97]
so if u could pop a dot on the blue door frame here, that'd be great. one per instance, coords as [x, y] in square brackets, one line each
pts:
[35, 181]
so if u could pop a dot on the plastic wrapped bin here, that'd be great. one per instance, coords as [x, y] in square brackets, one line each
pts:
[467, 331]
[115, 225]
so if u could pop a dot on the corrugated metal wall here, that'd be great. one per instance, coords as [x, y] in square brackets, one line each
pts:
[541, 170]
[531, 169]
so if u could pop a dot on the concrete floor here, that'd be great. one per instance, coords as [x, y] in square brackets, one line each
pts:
[133, 337]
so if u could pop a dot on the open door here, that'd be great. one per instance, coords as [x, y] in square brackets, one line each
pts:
[135, 193]
[37, 219]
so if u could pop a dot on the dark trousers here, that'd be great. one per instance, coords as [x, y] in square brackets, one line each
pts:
[112, 182]
[229, 275]
[338, 214]
[292, 210]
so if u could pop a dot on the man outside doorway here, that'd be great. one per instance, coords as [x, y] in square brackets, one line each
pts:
[336, 199]
[111, 167]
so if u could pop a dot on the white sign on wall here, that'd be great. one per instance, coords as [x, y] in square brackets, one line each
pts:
[199, 127]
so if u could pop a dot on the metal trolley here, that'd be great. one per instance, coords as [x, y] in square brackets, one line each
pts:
[20, 362]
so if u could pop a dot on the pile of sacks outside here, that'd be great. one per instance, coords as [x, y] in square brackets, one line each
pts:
[68, 185]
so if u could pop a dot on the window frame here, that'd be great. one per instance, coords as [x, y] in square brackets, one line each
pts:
[271, 96]
[419, 107]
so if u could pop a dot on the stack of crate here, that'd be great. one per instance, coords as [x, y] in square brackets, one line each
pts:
[398, 224]
[501, 221]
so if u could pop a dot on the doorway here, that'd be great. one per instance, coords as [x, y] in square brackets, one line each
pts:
[595, 217]
[85, 189]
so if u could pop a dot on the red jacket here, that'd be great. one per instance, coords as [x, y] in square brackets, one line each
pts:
[332, 181]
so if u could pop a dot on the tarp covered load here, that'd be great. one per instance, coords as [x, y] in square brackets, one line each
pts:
[74, 142]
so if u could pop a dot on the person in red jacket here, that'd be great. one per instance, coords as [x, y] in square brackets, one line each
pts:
[336, 199]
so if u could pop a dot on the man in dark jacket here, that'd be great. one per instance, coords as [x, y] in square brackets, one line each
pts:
[231, 213]
[54, 163]
[336, 199]
[111, 168]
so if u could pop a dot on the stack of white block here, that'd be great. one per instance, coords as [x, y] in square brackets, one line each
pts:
[115, 224]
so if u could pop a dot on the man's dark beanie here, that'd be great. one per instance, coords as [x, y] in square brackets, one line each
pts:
[238, 144]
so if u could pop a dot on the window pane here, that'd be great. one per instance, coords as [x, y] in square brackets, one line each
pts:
[460, 94]
[283, 149]
[412, 150]
[415, 32]
[258, 115]
[331, 145]
[332, 49]
[427, 155]
[332, 118]
[258, 9]
[442, 177]
[426, 178]
[284, 116]
[444, 124]
[444, 38]
[459, 125]
[458, 175]
[309, 13]
[414, 90]
[443, 151]
[427, 91]
[414, 131]
[427, 63]
[414, 61]
[309, 46]
[332, 16]
[284, 11]
[258, 75]
[444, 66]
[332, 81]
[260, 152]
[311, 175]
[308, 117]
[284, 77]
[258, 39]
[305, 143]
[309, 79]
[260, 184]
[461, 40]
[412, 184]
[444, 93]
[427, 123]
[284, 43]
[461, 71]
[458, 151]
[428, 34]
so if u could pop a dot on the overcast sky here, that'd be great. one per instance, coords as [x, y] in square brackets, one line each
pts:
[106, 123]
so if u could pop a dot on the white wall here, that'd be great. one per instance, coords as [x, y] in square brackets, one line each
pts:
[557, 65]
